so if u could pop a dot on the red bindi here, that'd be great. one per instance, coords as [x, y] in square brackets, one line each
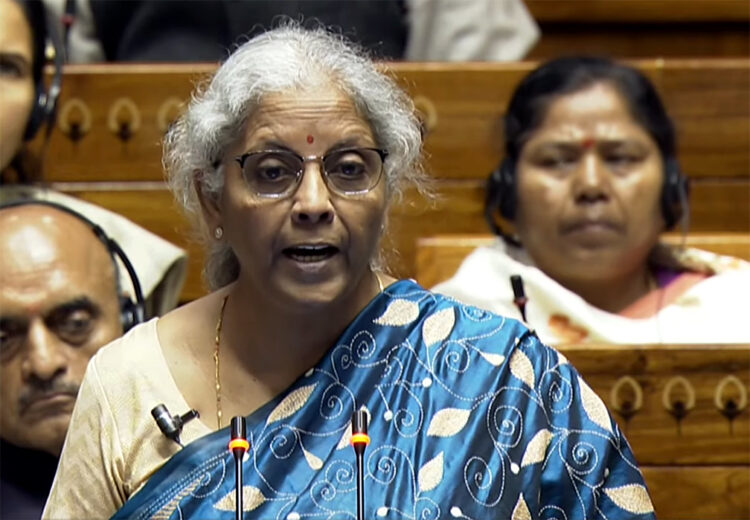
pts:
[588, 143]
[310, 139]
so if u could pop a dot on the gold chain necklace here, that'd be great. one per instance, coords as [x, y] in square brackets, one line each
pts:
[217, 366]
[217, 343]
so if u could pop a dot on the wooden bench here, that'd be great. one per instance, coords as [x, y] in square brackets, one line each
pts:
[437, 258]
[642, 28]
[106, 145]
[696, 465]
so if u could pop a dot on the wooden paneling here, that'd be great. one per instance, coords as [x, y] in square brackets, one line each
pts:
[651, 11]
[709, 100]
[637, 40]
[699, 492]
[642, 28]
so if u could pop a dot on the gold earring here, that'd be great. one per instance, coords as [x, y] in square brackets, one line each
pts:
[218, 232]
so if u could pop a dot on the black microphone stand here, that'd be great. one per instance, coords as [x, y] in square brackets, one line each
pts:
[238, 445]
[360, 440]
[519, 295]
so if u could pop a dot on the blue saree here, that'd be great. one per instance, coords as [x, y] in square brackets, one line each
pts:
[471, 417]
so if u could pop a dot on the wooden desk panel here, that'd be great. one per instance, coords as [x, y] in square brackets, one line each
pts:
[699, 492]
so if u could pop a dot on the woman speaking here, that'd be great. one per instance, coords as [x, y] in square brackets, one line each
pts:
[289, 159]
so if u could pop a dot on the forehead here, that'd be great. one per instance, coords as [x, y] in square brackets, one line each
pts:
[48, 252]
[600, 101]
[15, 33]
[320, 108]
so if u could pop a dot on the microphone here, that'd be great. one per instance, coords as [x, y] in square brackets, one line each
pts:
[360, 440]
[171, 425]
[519, 295]
[238, 445]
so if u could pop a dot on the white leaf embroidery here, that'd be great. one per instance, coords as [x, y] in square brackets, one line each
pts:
[448, 422]
[632, 498]
[431, 474]
[595, 408]
[438, 326]
[537, 448]
[399, 312]
[312, 460]
[521, 510]
[561, 359]
[291, 403]
[251, 499]
[493, 359]
[521, 367]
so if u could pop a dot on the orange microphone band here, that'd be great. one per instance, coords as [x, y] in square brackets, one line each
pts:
[360, 438]
[239, 443]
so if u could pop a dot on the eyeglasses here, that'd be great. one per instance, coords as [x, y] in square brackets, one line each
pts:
[277, 173]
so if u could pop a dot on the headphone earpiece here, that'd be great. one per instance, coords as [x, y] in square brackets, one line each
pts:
[508, 196]
[501, 194]
[44, 110]
[501, 198]
[39, 112]
[675, 192]
[131, 313]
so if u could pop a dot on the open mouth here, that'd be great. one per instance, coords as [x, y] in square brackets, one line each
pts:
[311, 253]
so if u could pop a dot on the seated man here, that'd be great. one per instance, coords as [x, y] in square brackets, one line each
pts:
[589, 182]
[60, 301]
[65, 290]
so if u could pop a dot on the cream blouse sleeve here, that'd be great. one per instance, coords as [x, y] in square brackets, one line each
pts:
[89, 480]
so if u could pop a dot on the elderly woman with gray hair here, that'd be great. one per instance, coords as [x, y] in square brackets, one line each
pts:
[289, 160]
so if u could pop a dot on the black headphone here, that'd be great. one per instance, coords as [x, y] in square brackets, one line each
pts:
[502, 196]
[131, 312]
[45, 104]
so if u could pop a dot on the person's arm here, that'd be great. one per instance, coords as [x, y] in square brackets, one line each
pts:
[88, 483]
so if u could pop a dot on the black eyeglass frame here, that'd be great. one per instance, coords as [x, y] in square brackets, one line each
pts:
[318, 158]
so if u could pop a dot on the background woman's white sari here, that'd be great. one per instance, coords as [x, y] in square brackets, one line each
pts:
[716, 310]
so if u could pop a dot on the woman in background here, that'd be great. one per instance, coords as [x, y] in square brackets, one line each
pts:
[589, 182]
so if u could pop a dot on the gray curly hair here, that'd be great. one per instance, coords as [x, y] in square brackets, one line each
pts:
[284, 58]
